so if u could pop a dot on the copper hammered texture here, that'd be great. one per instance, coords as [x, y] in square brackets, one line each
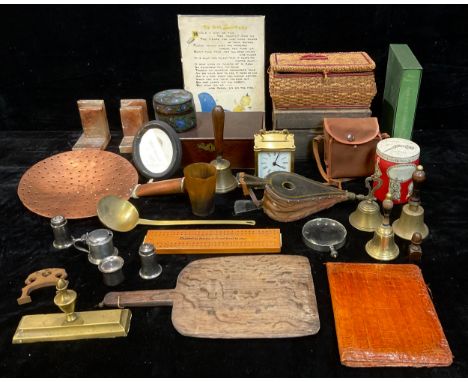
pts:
[71, 183]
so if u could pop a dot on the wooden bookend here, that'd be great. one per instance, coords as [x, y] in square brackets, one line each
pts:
[96, 134]
[133, 114]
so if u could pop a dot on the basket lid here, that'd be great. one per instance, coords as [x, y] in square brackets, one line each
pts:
[339, 62]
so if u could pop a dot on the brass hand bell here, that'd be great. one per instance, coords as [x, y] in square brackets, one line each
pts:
[382, 246]
[225, 181]
[367, 216]
[412, 215]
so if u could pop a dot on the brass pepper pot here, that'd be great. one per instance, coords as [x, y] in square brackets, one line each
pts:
[382, 246]
[412, 215]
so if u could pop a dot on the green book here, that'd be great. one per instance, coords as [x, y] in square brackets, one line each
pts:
[400, 99]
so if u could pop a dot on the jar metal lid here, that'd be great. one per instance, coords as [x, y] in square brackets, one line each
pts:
[173, 97]
[111, 264]
[58, 221]
[398, 150]
[99, 236]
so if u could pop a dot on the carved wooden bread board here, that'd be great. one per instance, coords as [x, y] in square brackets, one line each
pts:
[215, 241]
[263, 296]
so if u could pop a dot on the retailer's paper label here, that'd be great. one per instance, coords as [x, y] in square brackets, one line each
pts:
[223, 61]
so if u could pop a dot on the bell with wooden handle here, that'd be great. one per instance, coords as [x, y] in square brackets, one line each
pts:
[367, 216]
[225, 181]
[412, 215]
[382, 246]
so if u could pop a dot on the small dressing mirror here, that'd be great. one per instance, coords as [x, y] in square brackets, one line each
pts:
[157, 151]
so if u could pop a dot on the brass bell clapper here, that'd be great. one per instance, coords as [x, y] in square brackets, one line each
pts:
[412, 215]
[367, 216]
[382, 246]
[71, 325]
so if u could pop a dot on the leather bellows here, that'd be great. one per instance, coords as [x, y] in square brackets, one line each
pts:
[349, 146]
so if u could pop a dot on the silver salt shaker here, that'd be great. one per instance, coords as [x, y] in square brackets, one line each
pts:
[150, 268]
[111, 269]
[62, 237]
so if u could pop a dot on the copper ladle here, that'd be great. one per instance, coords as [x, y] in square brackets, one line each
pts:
[121, 215]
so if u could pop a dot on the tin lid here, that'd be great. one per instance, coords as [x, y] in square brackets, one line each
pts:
[146, 249]
[172, 97]
[111, 264]
[398, 150]
[99, 236]
[58, 221]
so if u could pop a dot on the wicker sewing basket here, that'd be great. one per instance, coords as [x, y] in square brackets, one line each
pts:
[322, 80]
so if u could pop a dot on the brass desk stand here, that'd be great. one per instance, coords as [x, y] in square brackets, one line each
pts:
[72, 325]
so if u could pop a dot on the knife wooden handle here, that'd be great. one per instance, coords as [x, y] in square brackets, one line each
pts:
[217, 114]
[162, 187]
[139, 298]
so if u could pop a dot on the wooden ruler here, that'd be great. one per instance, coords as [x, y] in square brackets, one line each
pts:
[215, 241]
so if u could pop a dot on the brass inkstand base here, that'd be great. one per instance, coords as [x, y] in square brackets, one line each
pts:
[70, 325]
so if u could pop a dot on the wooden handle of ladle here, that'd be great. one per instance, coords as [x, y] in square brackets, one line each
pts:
[162, 187]
[217, 115]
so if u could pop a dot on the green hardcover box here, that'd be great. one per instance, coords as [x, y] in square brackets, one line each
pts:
[400, 99]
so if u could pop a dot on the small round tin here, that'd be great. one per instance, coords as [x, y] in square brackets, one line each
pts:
[175, 107]
[396, 160]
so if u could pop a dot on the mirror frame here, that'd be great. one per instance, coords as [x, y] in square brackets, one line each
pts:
[176, 147]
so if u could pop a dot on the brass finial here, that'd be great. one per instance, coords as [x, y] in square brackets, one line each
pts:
[65, 299]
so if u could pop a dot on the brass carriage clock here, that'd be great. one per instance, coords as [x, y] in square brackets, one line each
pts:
[274, 151]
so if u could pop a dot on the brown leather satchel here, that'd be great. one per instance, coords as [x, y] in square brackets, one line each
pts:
[349, 148]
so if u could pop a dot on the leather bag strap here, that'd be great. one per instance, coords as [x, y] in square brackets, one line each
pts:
[315, 142]
[331, 181]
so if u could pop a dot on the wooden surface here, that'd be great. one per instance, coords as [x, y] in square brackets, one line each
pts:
[214, 241]
[264, 296]
[385, 317]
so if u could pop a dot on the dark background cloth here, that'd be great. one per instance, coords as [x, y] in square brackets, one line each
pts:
[53, 55]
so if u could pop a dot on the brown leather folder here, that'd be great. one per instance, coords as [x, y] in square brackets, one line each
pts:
[385, 317]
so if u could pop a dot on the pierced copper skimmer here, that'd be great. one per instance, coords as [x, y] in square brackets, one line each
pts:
[71, 183]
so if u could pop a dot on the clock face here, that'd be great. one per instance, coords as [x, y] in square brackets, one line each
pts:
[271, 161]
